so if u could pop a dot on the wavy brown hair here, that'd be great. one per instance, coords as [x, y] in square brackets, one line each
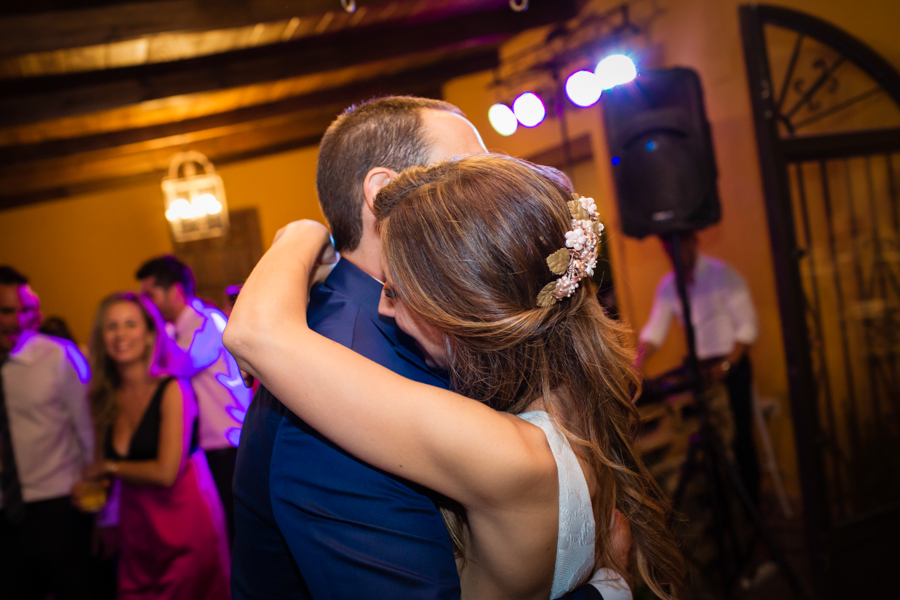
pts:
[466, 242]
[105, 378]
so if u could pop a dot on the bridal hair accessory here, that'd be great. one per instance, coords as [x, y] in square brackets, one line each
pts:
[579, 257]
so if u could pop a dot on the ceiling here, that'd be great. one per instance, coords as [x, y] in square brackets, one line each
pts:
[100, 93]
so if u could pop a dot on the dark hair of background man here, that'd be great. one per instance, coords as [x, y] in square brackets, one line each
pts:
[385, 132]
[9, 276]
[166, 272]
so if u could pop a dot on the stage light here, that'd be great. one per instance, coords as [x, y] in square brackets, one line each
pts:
[529, 109]
[583, 88]
[615, 70]
[502, 119]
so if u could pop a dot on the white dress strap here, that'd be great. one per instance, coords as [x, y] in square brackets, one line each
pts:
[575, 544]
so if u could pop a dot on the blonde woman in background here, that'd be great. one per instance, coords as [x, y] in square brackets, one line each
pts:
[173, 541]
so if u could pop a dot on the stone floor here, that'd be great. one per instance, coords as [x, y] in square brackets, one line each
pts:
[766, 581]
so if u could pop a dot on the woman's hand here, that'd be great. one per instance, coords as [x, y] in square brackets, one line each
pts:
[613, 577]
[95, 471]
[273, 295]
[620, 550]
[327, 256]
[621, 545]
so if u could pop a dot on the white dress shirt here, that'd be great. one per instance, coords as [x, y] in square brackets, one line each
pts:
[45, 381]
[200, 355]
[721, 309]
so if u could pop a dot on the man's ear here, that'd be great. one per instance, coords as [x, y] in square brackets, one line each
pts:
[376, 179]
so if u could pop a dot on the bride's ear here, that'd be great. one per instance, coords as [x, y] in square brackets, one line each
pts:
[376, 179]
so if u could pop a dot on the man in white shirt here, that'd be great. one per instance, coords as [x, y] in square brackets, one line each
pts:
[46, 440]
[725, 326]
[198, 354]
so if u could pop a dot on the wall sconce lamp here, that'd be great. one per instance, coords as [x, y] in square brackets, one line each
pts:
[195, 198]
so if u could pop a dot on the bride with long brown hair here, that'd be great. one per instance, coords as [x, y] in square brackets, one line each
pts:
[485, 265]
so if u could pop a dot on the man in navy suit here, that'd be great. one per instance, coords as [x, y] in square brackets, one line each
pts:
[312, 521]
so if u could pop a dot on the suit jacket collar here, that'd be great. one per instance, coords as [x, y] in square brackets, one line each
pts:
[365, 291]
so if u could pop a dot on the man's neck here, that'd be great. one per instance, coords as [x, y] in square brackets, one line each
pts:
[133, 375]
[179, 309]
[366, 257]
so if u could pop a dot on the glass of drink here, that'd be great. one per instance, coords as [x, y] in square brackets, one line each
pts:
[90, 496]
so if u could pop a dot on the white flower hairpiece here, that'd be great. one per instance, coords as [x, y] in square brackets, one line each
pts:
[579, 257]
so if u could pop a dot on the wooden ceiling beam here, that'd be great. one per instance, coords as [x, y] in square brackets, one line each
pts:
[36, 99]
[73, 25]
[147, 161]
[52, 170]
[411, 81]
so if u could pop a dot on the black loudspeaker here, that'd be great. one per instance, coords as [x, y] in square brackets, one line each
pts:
[662, 153]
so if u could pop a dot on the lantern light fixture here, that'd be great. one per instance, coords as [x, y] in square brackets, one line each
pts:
[194, 198]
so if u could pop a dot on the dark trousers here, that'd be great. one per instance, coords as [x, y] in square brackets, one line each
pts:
[221, 463]
[740, 394]
[48, 553]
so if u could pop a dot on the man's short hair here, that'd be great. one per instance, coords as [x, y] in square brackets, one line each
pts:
[384, 132]
[9, 276]
[167, 271]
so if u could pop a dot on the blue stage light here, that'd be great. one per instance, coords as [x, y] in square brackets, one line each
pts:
[529, 109]
[615, 70]
[583, 88]
[616, 160]
[502, 119]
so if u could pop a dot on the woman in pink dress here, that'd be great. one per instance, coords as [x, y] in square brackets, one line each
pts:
[173, 541]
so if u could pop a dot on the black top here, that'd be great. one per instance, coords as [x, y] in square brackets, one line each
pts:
[145, 441]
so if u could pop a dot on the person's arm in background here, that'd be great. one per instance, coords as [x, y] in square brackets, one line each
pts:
[74, 376]
[655, 330]
[746, 323]
[191, 354]
[644, 351]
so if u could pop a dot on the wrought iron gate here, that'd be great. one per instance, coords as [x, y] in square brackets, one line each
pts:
[827, 114]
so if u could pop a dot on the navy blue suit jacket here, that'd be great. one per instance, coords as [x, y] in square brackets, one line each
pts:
[312, 521]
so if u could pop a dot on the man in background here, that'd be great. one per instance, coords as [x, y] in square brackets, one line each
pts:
[199, 354]
[725, 326]
[46, 440]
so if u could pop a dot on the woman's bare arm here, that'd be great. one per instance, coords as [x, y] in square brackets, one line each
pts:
[441, 440]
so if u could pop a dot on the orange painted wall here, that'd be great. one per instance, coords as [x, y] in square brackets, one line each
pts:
[77, 250]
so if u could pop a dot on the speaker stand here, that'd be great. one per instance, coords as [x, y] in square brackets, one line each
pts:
[707, 453]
